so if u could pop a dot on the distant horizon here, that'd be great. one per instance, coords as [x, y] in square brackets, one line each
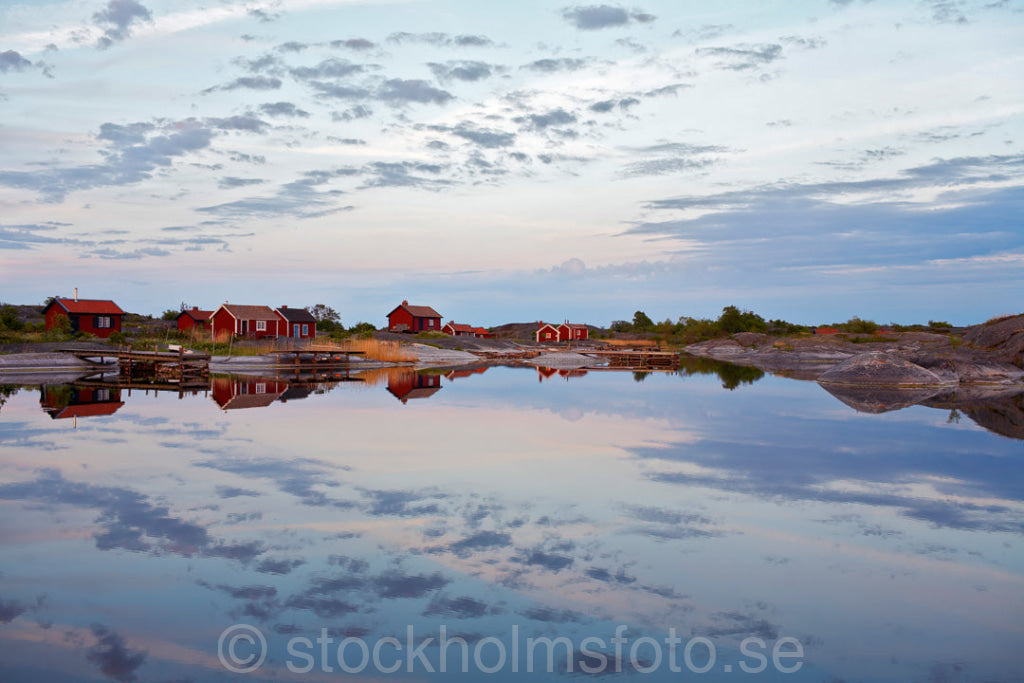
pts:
[810, 162]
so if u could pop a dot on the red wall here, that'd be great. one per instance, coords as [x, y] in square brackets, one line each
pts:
[82, 322]
[186, 322]
[404, 317]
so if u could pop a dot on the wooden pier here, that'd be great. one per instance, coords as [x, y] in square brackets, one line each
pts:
[316, 355]
[637, 359]
[172, 367]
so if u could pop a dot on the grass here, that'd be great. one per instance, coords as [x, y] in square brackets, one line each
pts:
[871, 339]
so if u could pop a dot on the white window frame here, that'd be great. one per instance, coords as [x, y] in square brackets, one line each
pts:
[261, 325]
[103, 322]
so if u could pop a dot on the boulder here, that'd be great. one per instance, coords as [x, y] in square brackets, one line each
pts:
[881, 369]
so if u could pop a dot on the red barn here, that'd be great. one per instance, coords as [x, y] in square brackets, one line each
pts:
[573, 332]
[298, 322]
[547, 332]
[408, 318]
[247, 321]
[194, 319]
[95, 316]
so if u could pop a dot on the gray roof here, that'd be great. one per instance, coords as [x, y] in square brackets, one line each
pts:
[297, 315]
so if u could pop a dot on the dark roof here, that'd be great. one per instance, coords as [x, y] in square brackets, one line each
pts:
[459, 327]
[249, 312]
[196, 314]
[88, 306]
[418, 311]
[297, 315]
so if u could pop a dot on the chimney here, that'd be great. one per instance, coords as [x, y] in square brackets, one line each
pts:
[195, 308]
[404, 302]
[76, 294]
[284, 308]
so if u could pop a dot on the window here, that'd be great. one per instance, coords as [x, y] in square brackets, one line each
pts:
[102, 395]
[305, 330]
[261, 388]
[102, 322]
[261, 325]
[430, 323]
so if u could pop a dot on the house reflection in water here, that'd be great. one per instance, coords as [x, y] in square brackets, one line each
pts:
[407, 384]
[61, 401]
[241, 391]
[544, 373]
[465, 372]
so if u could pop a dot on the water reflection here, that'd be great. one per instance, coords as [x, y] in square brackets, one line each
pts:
[560, 510]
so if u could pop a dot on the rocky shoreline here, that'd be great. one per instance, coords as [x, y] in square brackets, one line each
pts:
[990, 354]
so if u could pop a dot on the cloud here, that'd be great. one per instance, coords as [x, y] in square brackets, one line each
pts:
[743, 57]
[463, 607]
[299, 477]
[131, 156]
[401, 91]
[283, 109]
[540, 558]
[551, 65]
[111, 655]
[672, 158]
[358, 44]
[461, 71]
[484, 137]
[246, 123]
[605, 106]
[230, 182]
[554, 117]
[118, 18]
[11, 610]
[26, 237]
[481, 540]
[440, 39]
[328, 68]
[397, 503]
[249, 83]
[340, 92]
[594, 17]
[405, 174]
[13, 61]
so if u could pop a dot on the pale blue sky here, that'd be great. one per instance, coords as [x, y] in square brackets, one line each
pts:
[517, 161]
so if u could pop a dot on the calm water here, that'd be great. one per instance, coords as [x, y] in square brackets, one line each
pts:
[722, 534]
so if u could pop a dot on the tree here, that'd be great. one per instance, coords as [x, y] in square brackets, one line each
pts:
[9, 318]
[324, 313]
[327, 319]
[170, 314]
[642, 323]
[734, 320]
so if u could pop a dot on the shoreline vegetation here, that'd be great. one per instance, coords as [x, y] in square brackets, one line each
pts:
[857, 352]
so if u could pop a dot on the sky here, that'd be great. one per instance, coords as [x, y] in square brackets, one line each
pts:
[509, 162]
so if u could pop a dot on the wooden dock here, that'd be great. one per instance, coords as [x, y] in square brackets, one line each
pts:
[173, 367]
[316, 355]
[637, 359]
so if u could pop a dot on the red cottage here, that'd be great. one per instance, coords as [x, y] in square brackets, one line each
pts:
[246, 321]
[483, 333]
[95, 316]
[408, 318]
[459, 330]
[547, 332]
[194, 319]
[572, 332]
[297, 323]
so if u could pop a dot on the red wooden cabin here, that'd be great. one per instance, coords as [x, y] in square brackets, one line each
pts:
[95, 316]
[194, 319]
[247, 321]
[406, 318]
[298, 323]
[547, 332]
[573, 332]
